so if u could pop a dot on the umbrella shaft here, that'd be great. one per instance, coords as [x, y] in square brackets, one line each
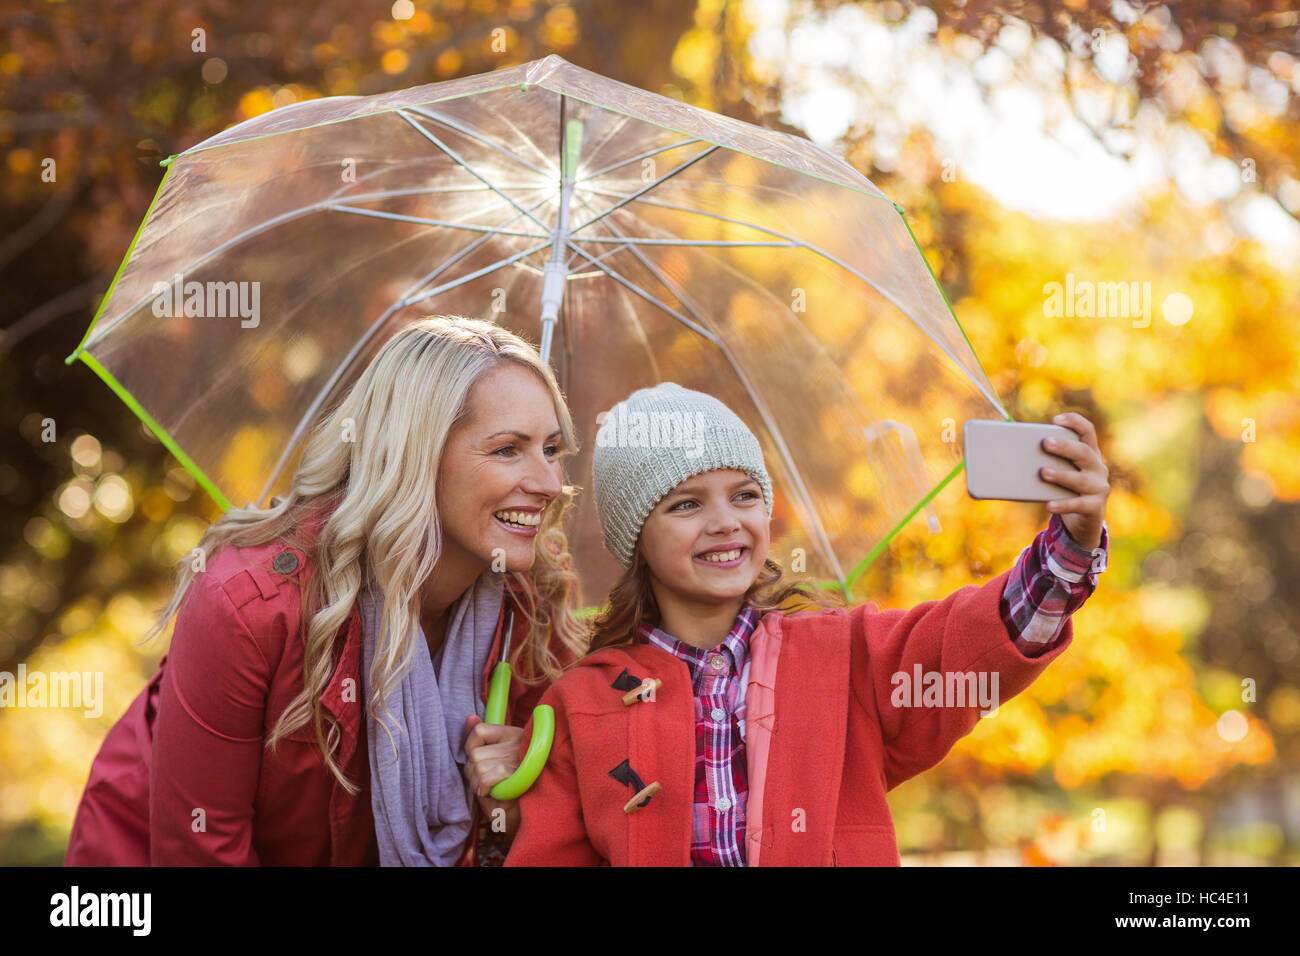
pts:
[557, 272]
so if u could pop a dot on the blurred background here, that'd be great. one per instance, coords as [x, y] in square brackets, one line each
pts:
[1030, 144]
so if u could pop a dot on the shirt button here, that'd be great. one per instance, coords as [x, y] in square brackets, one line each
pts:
[718, 713]
[717, 662]
[723, 805]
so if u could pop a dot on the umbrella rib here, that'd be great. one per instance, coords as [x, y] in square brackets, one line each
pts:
[847, 268]
[641, 241]
[338, 276]
[646, 295]
[801, 490]
[646, 155]
[351, 356]
[624, 244]
[468, 168]
[664, 204]
[478, 273]
[482, 139]
[646, 188]
[795, 474]
[260, 228]
[419, 220]
[568, 264]
[596, 261]
[422, 191]
[406, 300]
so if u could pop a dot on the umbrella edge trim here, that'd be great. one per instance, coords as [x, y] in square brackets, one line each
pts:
[201, 148]
[85, 339]
[952, 312]
[170, 443]
[893, 533]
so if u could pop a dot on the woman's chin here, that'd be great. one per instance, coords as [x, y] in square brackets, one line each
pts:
[515, 559]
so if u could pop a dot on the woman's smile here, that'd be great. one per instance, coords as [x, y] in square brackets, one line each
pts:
[520, 521]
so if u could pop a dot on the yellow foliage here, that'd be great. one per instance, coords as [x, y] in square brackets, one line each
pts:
[696, 55]
[255, 102]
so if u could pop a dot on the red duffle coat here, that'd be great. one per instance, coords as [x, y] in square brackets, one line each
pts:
[824, 742]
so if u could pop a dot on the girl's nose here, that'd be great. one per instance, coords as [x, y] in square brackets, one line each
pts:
[724, 520]
[726, 527]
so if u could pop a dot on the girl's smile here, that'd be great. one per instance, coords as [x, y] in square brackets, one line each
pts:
[723, 556]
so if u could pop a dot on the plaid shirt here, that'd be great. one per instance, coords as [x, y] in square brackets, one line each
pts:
[719, 677]
[1050, 581]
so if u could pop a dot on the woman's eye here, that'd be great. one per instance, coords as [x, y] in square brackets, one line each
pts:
[506, 448]
[552, 450]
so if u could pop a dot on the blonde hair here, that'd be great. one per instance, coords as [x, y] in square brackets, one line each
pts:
[384, 531]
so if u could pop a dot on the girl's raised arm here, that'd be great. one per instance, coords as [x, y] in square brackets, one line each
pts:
[962, 643]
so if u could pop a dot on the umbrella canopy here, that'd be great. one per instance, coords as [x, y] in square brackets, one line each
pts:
[638, 239]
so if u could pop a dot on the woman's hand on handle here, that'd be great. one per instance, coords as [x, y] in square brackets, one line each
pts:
[1083, 515]
[491, 755]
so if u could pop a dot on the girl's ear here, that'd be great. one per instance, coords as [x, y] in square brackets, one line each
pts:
[638, 555]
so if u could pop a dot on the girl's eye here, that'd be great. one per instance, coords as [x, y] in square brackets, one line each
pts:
[750, 493]
[684, 501]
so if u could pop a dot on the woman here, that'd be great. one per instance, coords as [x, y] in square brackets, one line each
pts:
[322, 698]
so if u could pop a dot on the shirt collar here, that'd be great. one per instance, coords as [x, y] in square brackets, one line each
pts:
[735, 644]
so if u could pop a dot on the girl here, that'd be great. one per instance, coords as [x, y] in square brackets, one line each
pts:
[323, 697]
[708, 727]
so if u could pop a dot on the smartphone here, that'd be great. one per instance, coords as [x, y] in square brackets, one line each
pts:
[1003, 460]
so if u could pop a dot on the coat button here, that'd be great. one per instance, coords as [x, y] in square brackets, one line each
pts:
[285, 562]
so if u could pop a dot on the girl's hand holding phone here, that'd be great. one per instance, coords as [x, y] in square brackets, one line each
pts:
[1083, 514]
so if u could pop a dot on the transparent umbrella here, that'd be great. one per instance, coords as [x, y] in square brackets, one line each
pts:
[636, 238]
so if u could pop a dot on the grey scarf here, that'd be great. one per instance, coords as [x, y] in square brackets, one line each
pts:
[422, 804]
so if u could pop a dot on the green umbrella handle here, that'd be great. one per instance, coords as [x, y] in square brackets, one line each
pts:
[498, 695]
[539, 748]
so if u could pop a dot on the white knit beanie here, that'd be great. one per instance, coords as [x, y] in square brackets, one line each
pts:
[652, 441]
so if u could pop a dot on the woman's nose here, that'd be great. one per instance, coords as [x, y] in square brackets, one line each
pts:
[544, 477]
